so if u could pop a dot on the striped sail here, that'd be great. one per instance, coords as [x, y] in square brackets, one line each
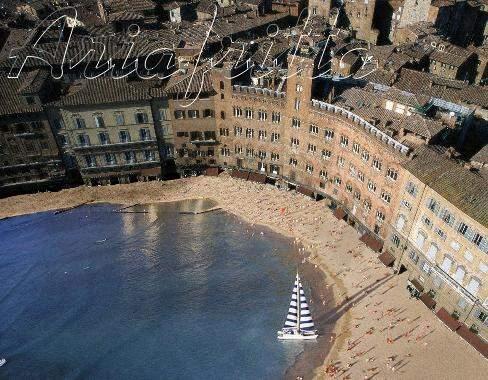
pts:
[305, 318]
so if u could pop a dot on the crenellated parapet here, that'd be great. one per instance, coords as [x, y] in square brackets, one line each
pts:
[251, 90]
[380, 135]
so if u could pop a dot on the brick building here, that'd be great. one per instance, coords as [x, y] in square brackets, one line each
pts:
[465, 22]
[29, 156]
[317, 147]
[192, 101]
[358, 17]
[319, 7]
[381, 176]
[405, 13]
[452, 62]
[292, 7]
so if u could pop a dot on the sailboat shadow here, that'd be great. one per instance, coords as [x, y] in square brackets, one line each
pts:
[337, 312]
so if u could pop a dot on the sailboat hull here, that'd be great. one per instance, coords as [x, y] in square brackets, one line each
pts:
[296, 336]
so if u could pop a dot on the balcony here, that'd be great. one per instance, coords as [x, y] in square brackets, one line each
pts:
[116, 146]
[26, 134]
[116, 168]
[198, 142]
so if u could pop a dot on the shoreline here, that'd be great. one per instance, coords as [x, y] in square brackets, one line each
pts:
[311, 357]
[368, 304]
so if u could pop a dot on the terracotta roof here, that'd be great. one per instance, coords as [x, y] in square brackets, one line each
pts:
[132, 5]
[389, 57]
[450, 90]
[270, 48]
[481, 156]
[33, 82]
[117, 47]
[208, 7]
[374, 75]
[191, 82]
[16, 39]
[125, 16]
[466, 190]
[104, 90]
[367, 103]
[442, 3]
[227, 26]
[171, 5]
[409, 99]
[11, 100]
[456, 57]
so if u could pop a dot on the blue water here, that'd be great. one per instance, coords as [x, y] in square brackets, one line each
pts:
[165, 296]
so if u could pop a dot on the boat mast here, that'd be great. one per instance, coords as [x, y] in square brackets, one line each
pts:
[298, 302]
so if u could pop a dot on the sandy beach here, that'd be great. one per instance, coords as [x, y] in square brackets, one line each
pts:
[378, 331]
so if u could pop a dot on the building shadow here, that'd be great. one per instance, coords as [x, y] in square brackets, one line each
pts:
[337, 312]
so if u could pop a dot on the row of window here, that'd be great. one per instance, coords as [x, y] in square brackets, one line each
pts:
[249, 133]
[391, 174]
[251, 153]
[110, 159]
[248, 113]
[104, 137]
[443, 65]
[139, 118]
[461, 227]
[198, 135]
[384, 195]
[193, 114]
[448, 265]
[274, 169]
[22, 128]
[185, 152]
[326, 155]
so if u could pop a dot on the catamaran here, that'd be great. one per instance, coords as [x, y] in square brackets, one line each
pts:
[299, 324]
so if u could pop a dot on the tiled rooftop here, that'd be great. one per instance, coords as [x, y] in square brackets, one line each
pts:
[451, 90]
[11, 100]
[105, 90]
[462, 187]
